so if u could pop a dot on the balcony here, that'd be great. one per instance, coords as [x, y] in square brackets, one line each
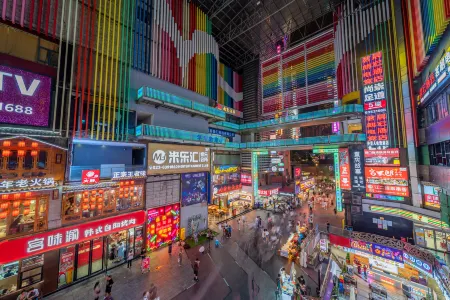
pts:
[159, 98]
[106, 171]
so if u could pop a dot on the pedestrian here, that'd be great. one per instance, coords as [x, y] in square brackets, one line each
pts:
[335, 211]
[170, 248]
[328, 226]
[97, 291]
[195, 240]
[196, 268]
[264, 235]
[301, 280]
[239, 224]
[180, 257]
[108, 296]
[33, 294]
[146, 295]
[229, 231]
[142, 253]
[130, 258]
[109, 284]
[279, 283]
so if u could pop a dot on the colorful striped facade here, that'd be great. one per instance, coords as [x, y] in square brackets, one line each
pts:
[300, 76]
[230, 88]
[361, 32]
[427, 21]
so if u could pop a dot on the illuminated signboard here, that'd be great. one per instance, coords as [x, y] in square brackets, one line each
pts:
[417, 263]
[221, 132]
[307, 184]
[335, 127]
[129, 175]
[387, 252]
[90, 176]
[246, 179]
[362, 246]
[255, 173]
[42, 242]
[229, 110]
[436, 78]
[387, 180]
[269, 192]
[374, 95]
[357, 168]
[344, 166]
[408, 215]
[431, 196]
[25, 97]
[225, 188]
[297, 172]
[163, 224]
[24, 184]
[384, 157]
[337, 177]
[226, 169]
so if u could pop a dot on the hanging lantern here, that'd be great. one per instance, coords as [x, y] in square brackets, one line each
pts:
[27, 203]
[34, 144]
[127, 182]
[99, 199]
[132, 182]
[15, 213]
[26, 212]
[17, 196]
[28, 194]
[100, 192]
[4, 205]
[126, 195]
[6, 153]
[21, 144]
[3, 215]
[85, 206]
[86, 193]
[99, 207]
[7, 144]
[120, 195]
[34, 153]
[92, 206]
[86, 200]
[121, 189]
[5, 197]
[121, 183]
[94, 192]
[16, 204]
[21, 153]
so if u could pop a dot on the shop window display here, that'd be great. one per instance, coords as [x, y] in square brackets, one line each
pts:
[22, 213]
[66, 266]
[8, 278]
[83, 259]
[97, 255]
[117, 248]
[31, 270]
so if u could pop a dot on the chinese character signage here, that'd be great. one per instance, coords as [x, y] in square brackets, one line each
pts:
[229, 110]
[225, 133]
[417, 263]
[246, 179]
[173, 159]
[388, 253]
[357, 168]
[431, 196]
[268, 192]
[374, 98]
[335, 127]
[337, 176]
[297, 172]
[163, 224]
[225, 188]
[439, 74]
[387, 181]
[25, 97]
[90, 176]
[384, 157]
[344, 169]
[226, 169]
[194, 188]
[27, 184]
[129, 175]
[39, 243]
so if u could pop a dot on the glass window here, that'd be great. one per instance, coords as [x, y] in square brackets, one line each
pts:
[31, 270]
[66, 265]
[13, 160]
[429, 239]
[72, 206]
[83, 259]
[28, 161]
[138, 240]
[42, 160]
[8, 278]
[117, 247]
[441, 241]
[27, 214]
[97, 255]
[130, 196]
[5, 207]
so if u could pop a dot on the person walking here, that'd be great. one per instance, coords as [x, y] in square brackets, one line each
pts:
[180, 257]
[279, 283]
[109, 284]
[328, 226]
[239, 224]
[142, 253]
[170, 248]
[97, 291]
[196, 268]
[130, 259]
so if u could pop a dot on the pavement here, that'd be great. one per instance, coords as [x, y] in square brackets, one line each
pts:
[243, 267]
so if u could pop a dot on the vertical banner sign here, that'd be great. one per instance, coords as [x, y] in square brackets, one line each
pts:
[255, 173]
[344, 168]
[338, 182]
[374, 95]
[357, 168]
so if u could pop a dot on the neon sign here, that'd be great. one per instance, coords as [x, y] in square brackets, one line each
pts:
[374, 95]
[35, 183]
[344, 169]
[163, 224]
[436, 78]
[337, 177]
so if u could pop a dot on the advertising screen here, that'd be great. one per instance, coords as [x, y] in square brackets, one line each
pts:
[431, 196]
[25, 97]
[357, 168]
[385, 157]
[344, 167]
[194, 188]
[387, 180]
[163, 224]
[246, 179]
[176, 159]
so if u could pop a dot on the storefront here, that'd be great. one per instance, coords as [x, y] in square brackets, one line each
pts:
[267, 195]
[58, 258]
[163, 226]
[436, 240]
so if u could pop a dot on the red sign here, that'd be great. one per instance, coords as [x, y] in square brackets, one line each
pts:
[386, 173]
[229, 110]
[225, 188]
[426, 86]
[344, 169]
[339, 240]
[268, 193]
[20, 248]
[246, 179]
[163, 224]
[297, 172]
[90, 176]
[372, 68]
[384, 157]
[388, 190]
[432, 200]
[375, 105]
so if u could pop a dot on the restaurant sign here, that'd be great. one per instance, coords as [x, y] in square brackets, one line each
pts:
[387, 180]
[129, 175]
[226, 169]
[173, 159]
[19, 248]
[385, 157]
[417, 263]
[27, 184]
[90, 176]
[388, 253]
[441, 72]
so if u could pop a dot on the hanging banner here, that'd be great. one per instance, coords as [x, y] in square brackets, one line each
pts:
[384, 158]
[357, 168]
[344, 168]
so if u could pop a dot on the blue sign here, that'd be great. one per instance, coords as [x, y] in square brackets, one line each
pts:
[387, 252]
[194, 188]
[221, 132]
[418, 264]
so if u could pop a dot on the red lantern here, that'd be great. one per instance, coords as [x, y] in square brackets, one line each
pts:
[6, 153]
[21, 153]
[85, 200]
[92, 206]
[127, 182]
[85, 206]
[121, 189]
[86, 193]
[34, 153]
[15, 213]
[17, 196]
[26, 212]
[34, 144]
[16, 204]
[5, 197]
[21, 144]
[100, 192]
[132, 182]
[27, 203]
[28, 194]
[3, 215]
[7, 144]
[94, 192]
[121, 183]
[120, 195]
[99, 207]
[99, 199]
[4, 205]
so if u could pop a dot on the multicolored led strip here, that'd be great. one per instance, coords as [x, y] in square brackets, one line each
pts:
[230, 88]
[427, 20]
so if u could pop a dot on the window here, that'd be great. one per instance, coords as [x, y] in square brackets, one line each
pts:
[83, 259]
[42, 160]
[441, 241]
[440, 154]
[66, 265]
[13, 160]
[8, 278]
[97, 255]
[23, 214]
[28, 161]
[31, 270]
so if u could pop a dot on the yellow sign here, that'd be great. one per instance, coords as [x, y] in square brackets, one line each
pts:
[182, 233]
[226, 169]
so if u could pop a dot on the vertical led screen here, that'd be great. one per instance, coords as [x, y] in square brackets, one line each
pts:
[337, 177]
[193, 188]
[374, 97]
[344, 168]
[163, 224]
